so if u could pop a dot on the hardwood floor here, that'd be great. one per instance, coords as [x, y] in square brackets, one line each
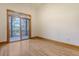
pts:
[37, 47]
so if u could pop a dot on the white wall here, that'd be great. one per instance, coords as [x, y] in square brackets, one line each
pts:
[24, 8]
[59, 22]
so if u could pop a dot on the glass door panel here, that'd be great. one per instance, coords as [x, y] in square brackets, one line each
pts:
[14, 27]
[24, 28]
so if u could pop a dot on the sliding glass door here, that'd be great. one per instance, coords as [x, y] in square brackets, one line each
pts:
[24, 28]
[14, 27]
[19, 28]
